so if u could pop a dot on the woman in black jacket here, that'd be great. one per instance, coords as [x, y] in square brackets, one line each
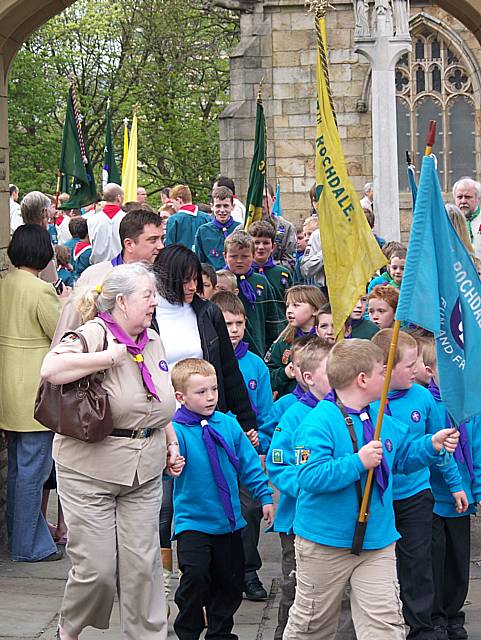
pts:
[191, 327]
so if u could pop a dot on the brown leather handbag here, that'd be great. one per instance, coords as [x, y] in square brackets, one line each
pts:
[77, 409]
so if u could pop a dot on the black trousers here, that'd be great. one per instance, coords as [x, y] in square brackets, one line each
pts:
[212, 570]
[252, 513]
[451, 550]
[414, 521]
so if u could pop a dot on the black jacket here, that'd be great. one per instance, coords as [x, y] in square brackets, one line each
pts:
[217, 349]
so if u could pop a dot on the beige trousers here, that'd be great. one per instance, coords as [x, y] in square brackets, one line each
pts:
[113, 544]
[322, 575]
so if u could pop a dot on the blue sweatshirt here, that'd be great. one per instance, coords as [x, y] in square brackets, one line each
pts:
[197, 506]
[182, 227]
[418, 410]
[327, 506]
[258, 383]
[209, 244]
[443, 500]
[266, 430]
[281, 465]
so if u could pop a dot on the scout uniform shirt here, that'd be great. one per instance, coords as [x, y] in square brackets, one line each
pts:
[182, 226]
[277, 359]
[209, 243]
[121, 460]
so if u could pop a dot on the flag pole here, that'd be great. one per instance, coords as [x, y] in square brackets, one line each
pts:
[361, 523]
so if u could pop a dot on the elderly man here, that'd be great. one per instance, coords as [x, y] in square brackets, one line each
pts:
[141, 195]
[366, 201]
[104, 225]
[467, 196]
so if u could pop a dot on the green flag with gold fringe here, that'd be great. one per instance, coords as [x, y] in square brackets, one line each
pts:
[257, 174]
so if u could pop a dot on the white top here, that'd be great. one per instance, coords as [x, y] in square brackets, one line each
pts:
[366, 203]
[476, 227]
[16, 219]
[239, 211]
[178, 331]
[63, 233]
[104, 236]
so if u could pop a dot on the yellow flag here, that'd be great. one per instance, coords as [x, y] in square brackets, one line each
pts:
[350, 251]
[126, 146]
[129, 179]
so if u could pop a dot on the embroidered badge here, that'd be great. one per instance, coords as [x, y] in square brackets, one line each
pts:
[388, 445]
[415, 416]
[304, 456]
[267, 357]
[307, 251]
[252, 385]
[214, 252]
[281, 228]
[163, 365]
[259, 289]
[277, 456]
[284, 282]
[285, 356]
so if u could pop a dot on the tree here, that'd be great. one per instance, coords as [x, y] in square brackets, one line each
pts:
[170, 58]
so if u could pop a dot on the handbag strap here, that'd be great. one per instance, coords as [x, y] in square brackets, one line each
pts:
[83, 341]
[352, 434]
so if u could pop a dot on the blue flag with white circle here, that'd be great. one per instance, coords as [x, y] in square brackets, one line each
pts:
[441, 291]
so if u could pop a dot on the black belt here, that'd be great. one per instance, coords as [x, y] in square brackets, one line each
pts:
[130, 433]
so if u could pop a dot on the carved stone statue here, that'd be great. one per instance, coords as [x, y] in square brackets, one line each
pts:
[400, 9]
[361, 14]
[383, 24]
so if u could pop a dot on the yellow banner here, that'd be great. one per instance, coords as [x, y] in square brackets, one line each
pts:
[350, 251]
[129, 178]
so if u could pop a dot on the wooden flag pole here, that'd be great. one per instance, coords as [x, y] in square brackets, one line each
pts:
[361, 523]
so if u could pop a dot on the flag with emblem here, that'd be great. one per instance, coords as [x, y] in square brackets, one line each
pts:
[75, 171]
[350, 251]
[441, 291]
[257, 174]
[110, 172]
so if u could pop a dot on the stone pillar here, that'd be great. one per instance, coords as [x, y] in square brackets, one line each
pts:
[383, 46]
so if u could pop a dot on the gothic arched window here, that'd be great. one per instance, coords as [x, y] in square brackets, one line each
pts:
[433, 82]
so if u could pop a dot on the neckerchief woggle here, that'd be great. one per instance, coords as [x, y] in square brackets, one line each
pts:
[211, 439]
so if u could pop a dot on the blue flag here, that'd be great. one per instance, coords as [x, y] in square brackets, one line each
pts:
[441, 291]
[276, 207]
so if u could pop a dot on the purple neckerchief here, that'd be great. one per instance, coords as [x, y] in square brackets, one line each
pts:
[134, 348]
[212, 438]
[117, 260]
[462, 453]
[224, 227]
[301, 334]
[260, 268]
[241, 349]
[381, 473]
[298, 391]
[394, 395]
[246, 287]
[309, 399]
[356, 323]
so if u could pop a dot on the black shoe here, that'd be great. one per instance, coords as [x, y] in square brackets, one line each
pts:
[57, 555]
[255, 591]
[441, 633]
[457, 632]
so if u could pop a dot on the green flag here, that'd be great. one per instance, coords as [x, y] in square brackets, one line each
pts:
[77, 175]
[110, 171]
[257, 174]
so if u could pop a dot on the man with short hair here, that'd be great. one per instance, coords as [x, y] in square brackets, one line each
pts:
[286, 236]
[467, 197]
[16, 219]
[239, 210]
[140, 239]
[141, 195]
[183, 224]
[366, 201]
[104, 225]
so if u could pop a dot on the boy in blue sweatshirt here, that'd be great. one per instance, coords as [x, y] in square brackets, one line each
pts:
[283, 403]
[183, 224]
[282, 470]
[210, 237]
[451, 545]
[413, 405]
[334, 449]
[207, 511]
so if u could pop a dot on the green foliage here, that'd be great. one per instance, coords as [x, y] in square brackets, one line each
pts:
[169, 58]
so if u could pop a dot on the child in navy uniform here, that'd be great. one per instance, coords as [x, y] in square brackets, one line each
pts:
[207, 513]
[333, 454]
[451, 544]
[210, 237]
[282, 470]
[183, 224]
[413, 405]
[255, 291]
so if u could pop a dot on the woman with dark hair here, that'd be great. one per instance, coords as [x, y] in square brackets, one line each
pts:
[29, 310]
[194, 328]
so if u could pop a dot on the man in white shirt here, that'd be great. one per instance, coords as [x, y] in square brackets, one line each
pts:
[467, 197]
[16, 219]
[104, 225]
[366, 201]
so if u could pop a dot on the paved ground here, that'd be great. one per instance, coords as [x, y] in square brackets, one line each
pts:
[30, 596]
